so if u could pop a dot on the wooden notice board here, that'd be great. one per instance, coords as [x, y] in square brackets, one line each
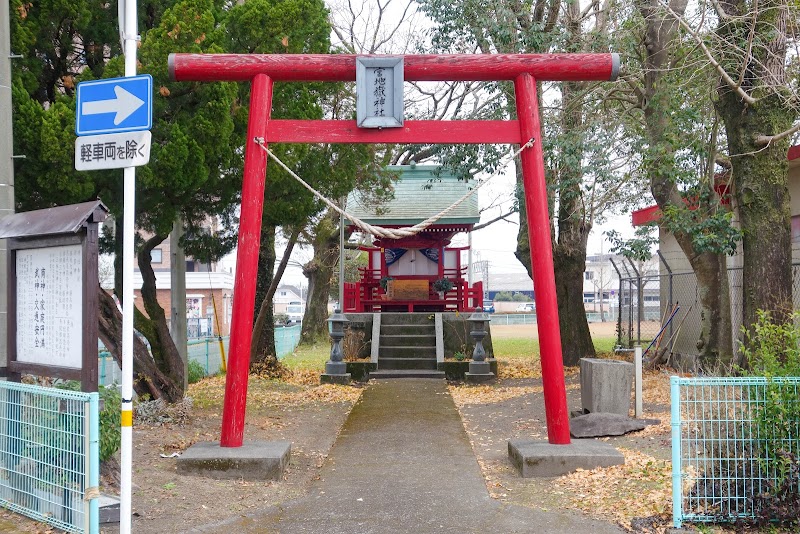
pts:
[408, 290]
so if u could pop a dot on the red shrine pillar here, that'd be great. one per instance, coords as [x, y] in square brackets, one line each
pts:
[555, 392]
[244, 289]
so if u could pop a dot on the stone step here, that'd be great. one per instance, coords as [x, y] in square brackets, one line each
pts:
[406, 373]
[414, 340]
[406, 363]
[428, 351]
[408, 329]
[422, 318]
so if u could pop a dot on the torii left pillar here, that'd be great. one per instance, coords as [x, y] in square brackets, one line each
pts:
[255, 167]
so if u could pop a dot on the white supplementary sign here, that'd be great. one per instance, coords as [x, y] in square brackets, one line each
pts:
[112, 151]
[50, 306]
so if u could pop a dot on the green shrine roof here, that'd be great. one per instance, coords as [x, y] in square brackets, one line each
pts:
[419, 194]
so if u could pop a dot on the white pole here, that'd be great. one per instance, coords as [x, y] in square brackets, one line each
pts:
[129, 199]
[637, 364]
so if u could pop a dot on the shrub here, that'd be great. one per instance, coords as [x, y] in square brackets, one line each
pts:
[196, 371]
[110, 417]
[353, 344]
[772, 349]
[110, 421]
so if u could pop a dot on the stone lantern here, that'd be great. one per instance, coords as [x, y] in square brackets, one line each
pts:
[335, 367]
[479, 370]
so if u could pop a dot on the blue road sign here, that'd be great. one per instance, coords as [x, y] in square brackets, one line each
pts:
[114, 105]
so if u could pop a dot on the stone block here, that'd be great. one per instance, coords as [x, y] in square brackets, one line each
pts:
[108, 506]
[341, 379]
[542, 459]
[597, 424]
[456, 370]
[359, 371]
[255, 460]
[606, 385]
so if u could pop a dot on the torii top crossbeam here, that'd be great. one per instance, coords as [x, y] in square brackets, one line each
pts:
[420, 68]
[523, 69]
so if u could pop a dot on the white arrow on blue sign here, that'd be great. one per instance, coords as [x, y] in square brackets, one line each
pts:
[114, 105]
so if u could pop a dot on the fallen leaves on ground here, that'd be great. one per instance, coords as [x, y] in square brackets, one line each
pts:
[642, 487]
[662, 428]
[655, 387]
[263, 392]
[463, 394]
[518, 368]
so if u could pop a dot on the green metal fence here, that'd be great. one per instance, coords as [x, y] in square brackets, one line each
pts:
[729, 436]
[49, 456]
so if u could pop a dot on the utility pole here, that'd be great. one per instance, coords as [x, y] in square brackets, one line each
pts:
[6, 165]
[177, 323]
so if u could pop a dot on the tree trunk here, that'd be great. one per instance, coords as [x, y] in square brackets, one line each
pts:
[319, 272]
[265, 312]
[569, 252]
[760, 177]
[150, 378]
[263, 346]
[147, 377]
[154, 326]
[715, 343]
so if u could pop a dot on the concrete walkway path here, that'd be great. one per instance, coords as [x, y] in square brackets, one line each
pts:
[403, 463]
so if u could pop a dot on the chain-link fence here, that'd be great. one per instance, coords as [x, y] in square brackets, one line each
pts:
[638, 301]
[666, 307]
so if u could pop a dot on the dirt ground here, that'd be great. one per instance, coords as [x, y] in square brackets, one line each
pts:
[310, 416]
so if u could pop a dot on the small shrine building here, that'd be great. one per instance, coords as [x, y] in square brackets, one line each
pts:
[419, 273]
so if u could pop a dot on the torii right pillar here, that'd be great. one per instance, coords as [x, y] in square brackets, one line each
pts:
[559, 455]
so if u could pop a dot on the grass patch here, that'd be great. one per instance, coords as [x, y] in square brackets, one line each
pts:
[311, 357]
[604, 345]
[517, 347]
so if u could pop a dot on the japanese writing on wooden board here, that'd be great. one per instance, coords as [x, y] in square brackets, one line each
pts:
[49, 305]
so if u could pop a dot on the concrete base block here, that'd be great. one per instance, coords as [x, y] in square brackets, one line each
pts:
[335, 368]
[479, 372]
[341, 379]
[542, 459]
[109, 509]
[255, 460]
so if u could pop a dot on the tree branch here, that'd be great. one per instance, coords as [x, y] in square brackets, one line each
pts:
[766, 140]
[714, 63]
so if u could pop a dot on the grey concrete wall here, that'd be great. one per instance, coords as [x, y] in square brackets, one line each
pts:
[456, 330]
[360, 323]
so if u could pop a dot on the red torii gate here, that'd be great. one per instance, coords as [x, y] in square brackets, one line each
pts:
[523, 69]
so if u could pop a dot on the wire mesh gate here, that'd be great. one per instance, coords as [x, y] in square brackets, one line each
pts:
[730, 441]
[49, 456]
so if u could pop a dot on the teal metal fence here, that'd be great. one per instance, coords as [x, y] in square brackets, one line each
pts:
[286, 339]
[204, 351]
[729, 438]
[513, 318]
[49, 456]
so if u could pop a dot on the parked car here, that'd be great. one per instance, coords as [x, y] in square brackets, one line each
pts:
[527, 307]
[488, 306]
[295, 313]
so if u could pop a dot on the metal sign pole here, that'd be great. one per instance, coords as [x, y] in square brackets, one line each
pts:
[129, 198]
